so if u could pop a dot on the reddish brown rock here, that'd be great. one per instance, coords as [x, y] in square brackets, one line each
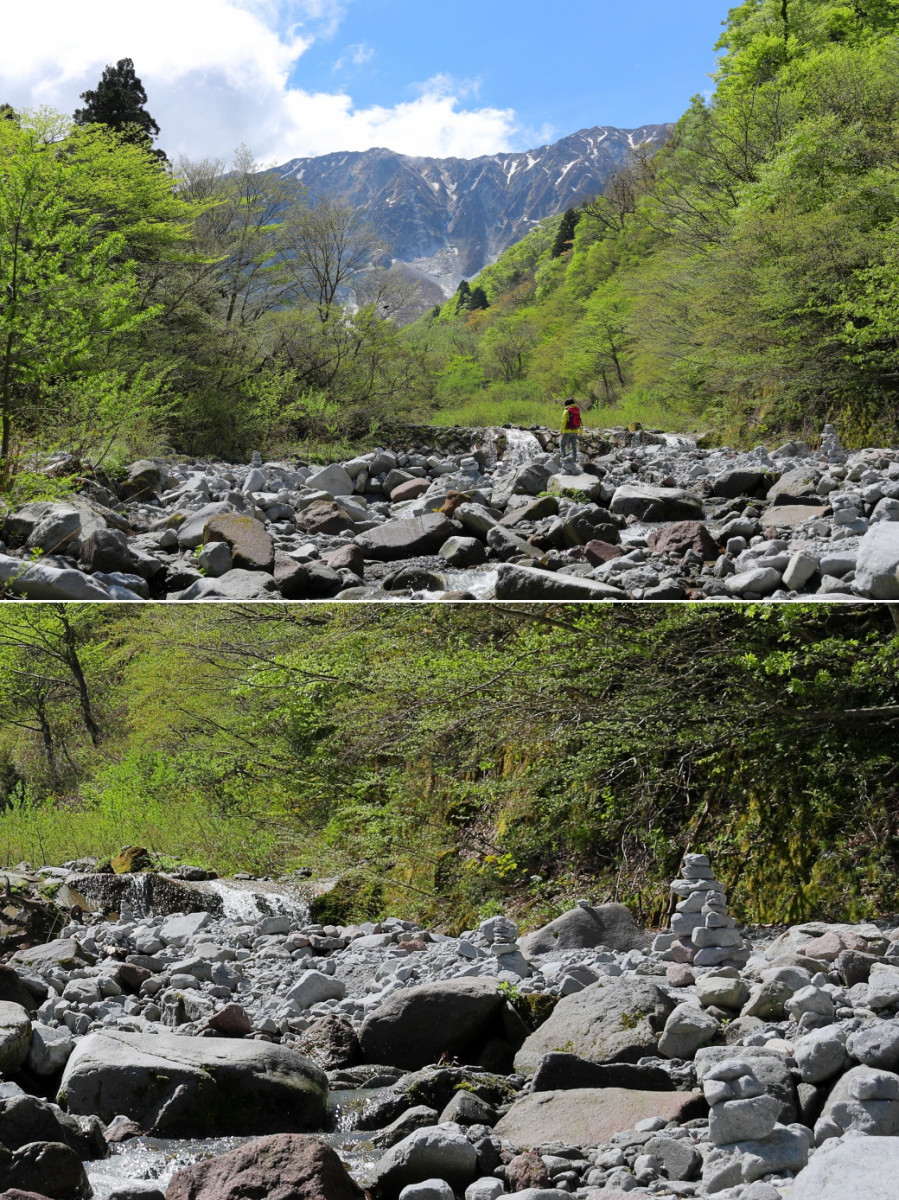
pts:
[17, 1194]
[590, 1116]
[349, 558]
[679, 975]
[286, 1166]
[597, 552]
[231, 1021]
[130, 976]
[252, 548]
[410, 490]
[682, 536]
[326, 516]
[526, 1170]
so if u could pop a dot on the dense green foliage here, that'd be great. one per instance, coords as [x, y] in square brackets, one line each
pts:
[746, 277]
[463, 758]
[199, 307]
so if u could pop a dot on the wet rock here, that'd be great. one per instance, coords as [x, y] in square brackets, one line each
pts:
[49, 1168]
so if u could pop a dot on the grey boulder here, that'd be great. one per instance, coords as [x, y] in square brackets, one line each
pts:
[583, 928]
[15, 1036]
[409, 538]
[863, 1167]
[233, 585]
[612, 1021]
[529, 583]
[415, 1026]
[194, 1087]
[878, 562]
[439, 1151]
[649, 503]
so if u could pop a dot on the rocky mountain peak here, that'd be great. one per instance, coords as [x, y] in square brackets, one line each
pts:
[446, 218]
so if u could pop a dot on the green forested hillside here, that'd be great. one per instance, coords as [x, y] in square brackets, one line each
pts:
[746, 278]
[457, 759]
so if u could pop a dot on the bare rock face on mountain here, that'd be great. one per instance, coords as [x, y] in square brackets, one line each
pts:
[446, 218]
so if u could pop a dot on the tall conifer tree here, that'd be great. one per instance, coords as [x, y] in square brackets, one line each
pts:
[118, 101]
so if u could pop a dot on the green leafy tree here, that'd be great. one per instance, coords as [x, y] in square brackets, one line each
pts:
[73, 201]
[118, 102]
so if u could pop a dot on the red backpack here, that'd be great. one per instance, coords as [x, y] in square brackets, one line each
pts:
[574, 416]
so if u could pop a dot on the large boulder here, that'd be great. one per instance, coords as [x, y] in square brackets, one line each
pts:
[866, 1100]
[739, 481]
[435, 1152]
[584, 927]
[48, 1169]
[796, 487]
[415, 1026]
[863, 1167]
[15, 1036]
[144, 480]
[615, 1020]
[25, 1119]
[410, 538]
[194, 1087]
[649, 503]
[237, 584]
[192, 529]
[682, 536]
[589, 1116]
[530, 583]
[252, 548]
[877, 564]
[282, 1167]
[39, 581]
[332, 479]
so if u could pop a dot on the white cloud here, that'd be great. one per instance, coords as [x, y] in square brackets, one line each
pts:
[358, 54]
[217, 75]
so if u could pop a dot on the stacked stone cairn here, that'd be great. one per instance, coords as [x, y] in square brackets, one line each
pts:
[701, 931]
[747, 1141]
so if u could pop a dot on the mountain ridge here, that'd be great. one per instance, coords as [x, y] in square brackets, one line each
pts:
[444, 219]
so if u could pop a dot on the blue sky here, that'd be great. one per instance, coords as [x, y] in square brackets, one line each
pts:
[290, 78]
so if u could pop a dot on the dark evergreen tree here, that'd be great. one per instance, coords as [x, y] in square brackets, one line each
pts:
[7, 112]
[478, 299]
[463, 296]
[565, 233]
[118, 101]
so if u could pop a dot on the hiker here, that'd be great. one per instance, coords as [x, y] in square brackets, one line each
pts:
[571, 429]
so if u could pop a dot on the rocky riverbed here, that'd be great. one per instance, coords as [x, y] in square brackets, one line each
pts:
[233, 1051]
[644, 516]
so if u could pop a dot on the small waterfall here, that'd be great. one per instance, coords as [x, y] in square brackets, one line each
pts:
[522, 447]
[247, 901]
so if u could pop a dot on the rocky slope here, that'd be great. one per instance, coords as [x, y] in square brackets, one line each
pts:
[446, 218]
[644, 516]
[588, 1057]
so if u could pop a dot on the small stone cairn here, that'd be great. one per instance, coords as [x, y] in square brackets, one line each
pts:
[831, 446]
[747, 1141]
[701, 931]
